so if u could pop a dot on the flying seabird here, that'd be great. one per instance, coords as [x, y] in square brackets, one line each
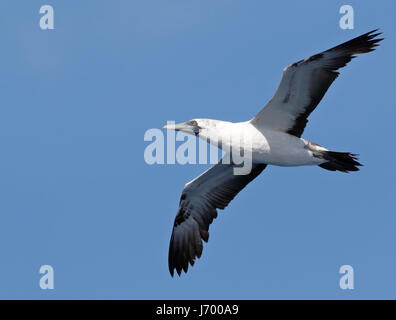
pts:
[275, 135]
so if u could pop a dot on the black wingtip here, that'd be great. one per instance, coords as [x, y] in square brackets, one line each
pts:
[366, 42]
[372, 31]
[371, 38]
[171, 268]
[371, 34]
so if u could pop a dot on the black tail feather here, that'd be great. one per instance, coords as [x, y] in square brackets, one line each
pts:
[340, 161]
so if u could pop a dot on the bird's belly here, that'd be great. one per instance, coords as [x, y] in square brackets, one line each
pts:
[283, 150]
[269, 146]
[290, 159]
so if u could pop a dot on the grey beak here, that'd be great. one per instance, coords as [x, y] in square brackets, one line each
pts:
[176, 127]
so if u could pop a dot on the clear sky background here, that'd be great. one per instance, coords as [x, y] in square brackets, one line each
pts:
[76, 193]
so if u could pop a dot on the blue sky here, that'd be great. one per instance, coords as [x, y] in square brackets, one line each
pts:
[76, 193]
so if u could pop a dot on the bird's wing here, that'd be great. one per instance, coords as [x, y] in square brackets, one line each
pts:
[305, 82]
[214, 189]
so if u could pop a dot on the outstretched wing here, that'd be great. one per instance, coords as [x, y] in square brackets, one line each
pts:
[305, 82]
[212, 190]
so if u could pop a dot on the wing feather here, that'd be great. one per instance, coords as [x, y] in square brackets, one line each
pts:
[212, 190]
[305, 82]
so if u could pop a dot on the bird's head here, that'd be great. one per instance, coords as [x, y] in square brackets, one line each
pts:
[194, 126]
[213, 131]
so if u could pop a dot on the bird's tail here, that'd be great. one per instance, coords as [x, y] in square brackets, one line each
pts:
[340, 161]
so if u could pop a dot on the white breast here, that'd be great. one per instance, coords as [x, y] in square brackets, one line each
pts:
[266, 145]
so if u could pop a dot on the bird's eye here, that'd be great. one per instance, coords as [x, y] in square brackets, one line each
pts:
[194, 123]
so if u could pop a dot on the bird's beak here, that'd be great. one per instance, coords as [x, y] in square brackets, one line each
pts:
[176, 127]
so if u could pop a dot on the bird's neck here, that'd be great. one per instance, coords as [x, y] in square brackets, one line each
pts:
[222, 133]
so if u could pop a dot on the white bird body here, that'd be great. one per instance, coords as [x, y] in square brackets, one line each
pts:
[272, 137]
[264, 145]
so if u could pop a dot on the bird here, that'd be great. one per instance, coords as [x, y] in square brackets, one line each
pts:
[275, 139]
